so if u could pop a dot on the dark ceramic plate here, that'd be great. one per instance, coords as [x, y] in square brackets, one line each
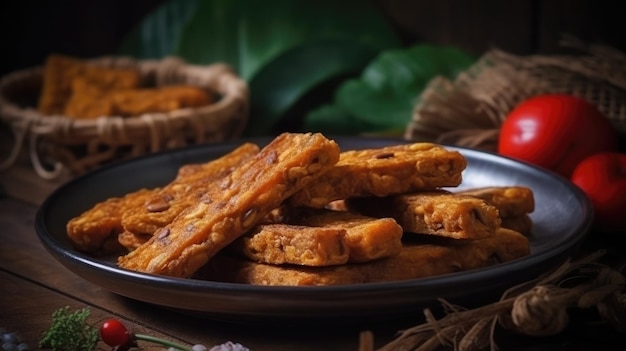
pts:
[561, 220]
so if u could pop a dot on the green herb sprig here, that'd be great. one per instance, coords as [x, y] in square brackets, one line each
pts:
[70, 332]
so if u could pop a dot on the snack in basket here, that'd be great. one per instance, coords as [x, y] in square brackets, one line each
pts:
[60, 72]
[416, 260]
[234, 205]
[514, 203]
[92, 103]
[320, 237]
[162, 99]
[384, 171]
[79, 89]
[435, 212]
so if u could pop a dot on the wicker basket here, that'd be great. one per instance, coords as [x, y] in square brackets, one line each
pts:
[470, 110]
[58, 143]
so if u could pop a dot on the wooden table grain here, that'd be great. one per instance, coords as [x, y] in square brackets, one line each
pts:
[33, 285]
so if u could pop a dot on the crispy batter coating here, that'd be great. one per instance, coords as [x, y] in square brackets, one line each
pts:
[131, 241]
[185, 190]
[144, 211]
[514, 203]
[294, 244]
[368, 238]
[318, 237]
[522, 223]
[416, 260]
[95, 230]
[436, 213]
[234, 205]
[385, 171]
[511, 201]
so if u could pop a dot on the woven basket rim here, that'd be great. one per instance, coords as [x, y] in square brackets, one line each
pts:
[11, 111]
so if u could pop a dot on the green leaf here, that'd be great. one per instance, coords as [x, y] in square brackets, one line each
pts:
[281, 83]
[284, 49]
[157, 35]
[332, 120]
[385, 93]
[382, 108]
[247, 34]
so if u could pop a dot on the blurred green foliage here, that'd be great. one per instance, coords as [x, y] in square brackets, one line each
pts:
[323, 65]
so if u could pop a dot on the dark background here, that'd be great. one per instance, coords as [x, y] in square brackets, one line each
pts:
[31, 29]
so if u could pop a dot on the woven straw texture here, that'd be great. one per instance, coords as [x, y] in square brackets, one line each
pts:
[470, 110]
[58, 143]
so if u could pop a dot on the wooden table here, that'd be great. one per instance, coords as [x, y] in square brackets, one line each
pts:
[33, 285]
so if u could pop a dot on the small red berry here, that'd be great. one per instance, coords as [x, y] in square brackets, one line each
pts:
[115, 334]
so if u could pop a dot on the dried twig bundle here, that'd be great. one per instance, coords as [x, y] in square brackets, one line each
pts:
[535, 308]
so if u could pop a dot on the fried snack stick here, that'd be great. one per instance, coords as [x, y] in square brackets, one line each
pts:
[185, 190]
[436, 213]
[513, 202]
[315, 237]
[384, 171]
[95, 230]
[414, 261]
[234, 205]
[368, 238]
[293, 244]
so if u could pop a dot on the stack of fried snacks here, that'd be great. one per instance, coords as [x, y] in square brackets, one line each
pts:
[78, 89]
[300, 212]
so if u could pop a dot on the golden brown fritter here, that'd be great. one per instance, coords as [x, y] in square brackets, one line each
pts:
[235, 205]
[435, 213]
[95, 230]
[511, 201]
[384, 171]
[317, 237]
[185, 190]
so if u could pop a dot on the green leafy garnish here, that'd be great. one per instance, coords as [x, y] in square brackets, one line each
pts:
[70, 332]
[383, 97]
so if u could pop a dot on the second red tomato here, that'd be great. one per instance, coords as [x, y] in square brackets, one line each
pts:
[556, 131]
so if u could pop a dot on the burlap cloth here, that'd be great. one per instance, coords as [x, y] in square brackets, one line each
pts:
[470, 110]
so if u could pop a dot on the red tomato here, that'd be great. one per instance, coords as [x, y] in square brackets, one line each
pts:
[115, 334]
[556, 131]
[603, 178]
